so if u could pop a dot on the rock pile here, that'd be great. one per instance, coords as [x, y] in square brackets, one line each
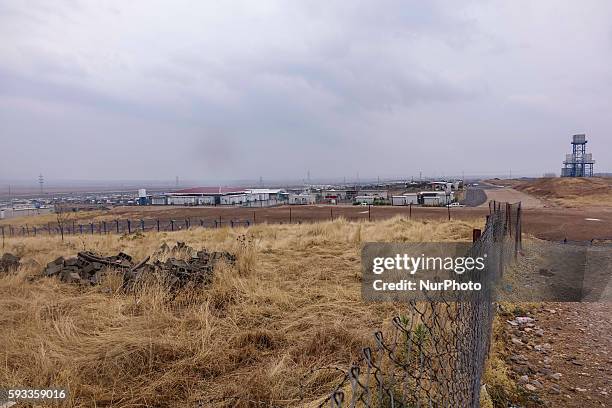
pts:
[194, 267]
[9, 262]
[87, 267]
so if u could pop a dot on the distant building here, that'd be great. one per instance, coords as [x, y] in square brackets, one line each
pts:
[367, 199]
[303, 198]
[222, 196]
[436, 198]
[405, 199]
[379, 194]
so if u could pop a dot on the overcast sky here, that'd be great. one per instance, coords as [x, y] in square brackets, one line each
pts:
[242, 89]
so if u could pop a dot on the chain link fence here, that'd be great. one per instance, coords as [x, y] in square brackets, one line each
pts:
[434, 354]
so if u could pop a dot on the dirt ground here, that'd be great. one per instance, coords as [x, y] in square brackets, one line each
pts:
[565, 358]
[546, 223]
[578, 224]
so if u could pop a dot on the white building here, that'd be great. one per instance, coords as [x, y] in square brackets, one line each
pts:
[383, 194]
[368, 199]
[405, 199]
[302, 199]
[436, 198]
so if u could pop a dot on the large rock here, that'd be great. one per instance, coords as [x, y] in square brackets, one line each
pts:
[9, 262]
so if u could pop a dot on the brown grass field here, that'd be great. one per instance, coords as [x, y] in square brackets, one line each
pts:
[290, 305]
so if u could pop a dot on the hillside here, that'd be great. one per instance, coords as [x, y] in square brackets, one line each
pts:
[566, 191]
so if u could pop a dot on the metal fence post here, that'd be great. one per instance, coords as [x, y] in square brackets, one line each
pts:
[81, 228]
[129, 225]
[158, 225]
[171, 225]
[117, 223]
[2, 237]
[142, 226]
[92, 227]
[290, 218]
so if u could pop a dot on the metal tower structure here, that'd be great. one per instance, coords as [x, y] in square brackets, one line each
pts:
[579, 163]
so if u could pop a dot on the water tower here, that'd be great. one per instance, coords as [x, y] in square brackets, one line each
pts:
[579, 163]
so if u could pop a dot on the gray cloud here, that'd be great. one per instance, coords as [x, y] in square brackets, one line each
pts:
[240, 89]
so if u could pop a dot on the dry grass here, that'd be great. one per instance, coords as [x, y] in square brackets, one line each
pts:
[291, 304]
[51, 218]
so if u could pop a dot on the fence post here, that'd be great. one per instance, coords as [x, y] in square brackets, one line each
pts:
[158, 225]
[476, 233]
[27, 230]
[290, 218]
[129, 224]
[34, 228]
[232, 223]
[410, 211]
[186, 223]
[448, 207]
[220, 222]
[2, 237]
[369, 212]
[104, 224]
[81, 228]
[49, 227]
[171, 225]
[142, 226]
[253, 217]
[201, 222]
[117, 222]
[331, 213]
[92, 228]
[509, 218]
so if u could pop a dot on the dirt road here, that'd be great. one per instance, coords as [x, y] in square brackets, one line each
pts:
[509, 195]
